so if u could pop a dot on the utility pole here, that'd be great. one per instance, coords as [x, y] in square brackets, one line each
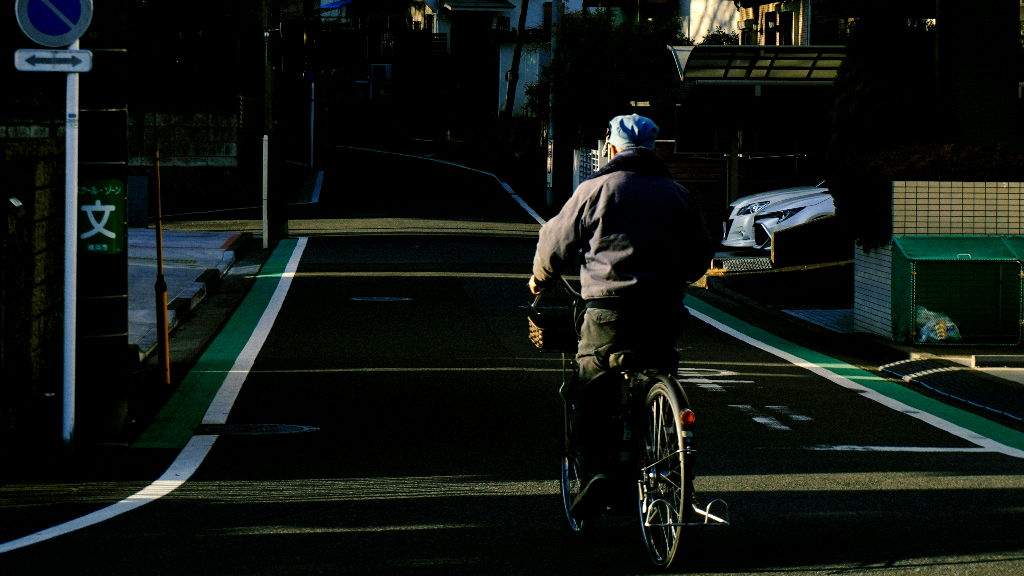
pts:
[556, 21]
[517, 55]
[275, 216]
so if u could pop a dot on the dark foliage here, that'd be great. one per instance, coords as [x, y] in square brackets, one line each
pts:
[601, 67]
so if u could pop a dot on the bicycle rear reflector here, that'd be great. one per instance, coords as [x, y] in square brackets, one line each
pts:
[687, 418]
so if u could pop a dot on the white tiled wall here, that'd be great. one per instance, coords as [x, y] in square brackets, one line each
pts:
[872, 291]
[970, 208]
[957, 208]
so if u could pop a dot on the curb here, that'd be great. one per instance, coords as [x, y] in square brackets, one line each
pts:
[189, 298]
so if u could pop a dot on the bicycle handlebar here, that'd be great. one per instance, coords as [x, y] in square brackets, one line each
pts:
[566, 285]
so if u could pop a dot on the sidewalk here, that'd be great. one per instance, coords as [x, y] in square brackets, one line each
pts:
[192, 260]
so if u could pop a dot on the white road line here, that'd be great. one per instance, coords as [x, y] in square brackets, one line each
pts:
[222, 403]
[937, 422]
[523, 204]
[419, 369]
[193, 454]
[704, 384]
[187, 462]
[760, 417]
[771, 423]
[702, 378]
[789, 413]
[925, 449]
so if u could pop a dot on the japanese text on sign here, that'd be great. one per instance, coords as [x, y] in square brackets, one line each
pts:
[101, 222]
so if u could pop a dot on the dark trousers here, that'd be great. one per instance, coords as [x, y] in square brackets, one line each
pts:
[651, 333]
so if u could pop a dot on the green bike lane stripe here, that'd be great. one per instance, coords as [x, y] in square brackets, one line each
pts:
[206, 394]
[174, 425]
[966, 425]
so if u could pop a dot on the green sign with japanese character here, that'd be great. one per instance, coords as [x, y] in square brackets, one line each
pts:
[101, 216]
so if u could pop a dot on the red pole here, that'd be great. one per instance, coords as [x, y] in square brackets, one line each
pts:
[163, 349]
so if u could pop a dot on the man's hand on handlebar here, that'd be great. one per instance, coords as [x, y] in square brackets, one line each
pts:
[536, 287]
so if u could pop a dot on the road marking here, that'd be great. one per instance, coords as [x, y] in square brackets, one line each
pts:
[422, 369]
[761, 418]
[702, 378]
[970, 427]
[380, 299]
[180, 470]
[920, 449]
[321, 531]
[883, 483]
[789, 413]
[228, 356]
[533, 213]
[195, 448]
[412, 274]
[356, 489]
[222, 403]
[704, 384]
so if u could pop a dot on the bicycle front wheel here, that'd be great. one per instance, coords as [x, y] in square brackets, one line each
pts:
[664, 492]
[572, 484]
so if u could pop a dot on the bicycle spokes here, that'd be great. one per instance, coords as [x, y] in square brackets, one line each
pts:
[664, 493]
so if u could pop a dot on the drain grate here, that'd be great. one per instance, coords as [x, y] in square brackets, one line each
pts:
[745, 264]
[913, 369]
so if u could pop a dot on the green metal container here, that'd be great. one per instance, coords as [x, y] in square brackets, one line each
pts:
[957, 290]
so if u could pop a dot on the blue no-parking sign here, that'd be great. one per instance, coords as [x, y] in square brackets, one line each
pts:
[53, 23]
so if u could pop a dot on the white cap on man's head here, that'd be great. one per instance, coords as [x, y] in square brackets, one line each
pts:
[632, 131]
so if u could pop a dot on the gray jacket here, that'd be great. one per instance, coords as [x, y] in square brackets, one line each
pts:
[641, 235]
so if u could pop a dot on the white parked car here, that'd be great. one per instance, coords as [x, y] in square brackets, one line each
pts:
[752, 219]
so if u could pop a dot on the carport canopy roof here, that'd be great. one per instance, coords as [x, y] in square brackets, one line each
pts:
[478, 5]
[758, 65]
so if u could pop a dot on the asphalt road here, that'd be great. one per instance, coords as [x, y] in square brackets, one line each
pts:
[396, 420]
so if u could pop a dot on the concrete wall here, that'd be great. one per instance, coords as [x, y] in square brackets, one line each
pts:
[200, 160]
[31, 284]
[208, 161]
[185, 140]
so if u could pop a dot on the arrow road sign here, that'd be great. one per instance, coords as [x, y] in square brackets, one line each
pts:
[53, 60]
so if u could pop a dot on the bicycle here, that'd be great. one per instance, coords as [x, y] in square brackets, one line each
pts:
[657, 436]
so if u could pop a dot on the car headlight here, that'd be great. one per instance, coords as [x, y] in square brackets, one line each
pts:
[782, 215]
[752, 208]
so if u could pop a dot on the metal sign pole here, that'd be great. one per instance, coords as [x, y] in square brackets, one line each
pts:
[62, 24]
[266, 191]
[70, 252]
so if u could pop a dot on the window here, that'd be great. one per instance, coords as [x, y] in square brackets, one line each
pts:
[770, 23]
[784, 35]
[778, 28]
[748, 33]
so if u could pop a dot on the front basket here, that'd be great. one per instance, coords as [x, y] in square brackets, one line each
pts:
[552, 325]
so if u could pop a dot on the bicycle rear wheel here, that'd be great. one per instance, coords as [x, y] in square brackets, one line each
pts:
[665, 495]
